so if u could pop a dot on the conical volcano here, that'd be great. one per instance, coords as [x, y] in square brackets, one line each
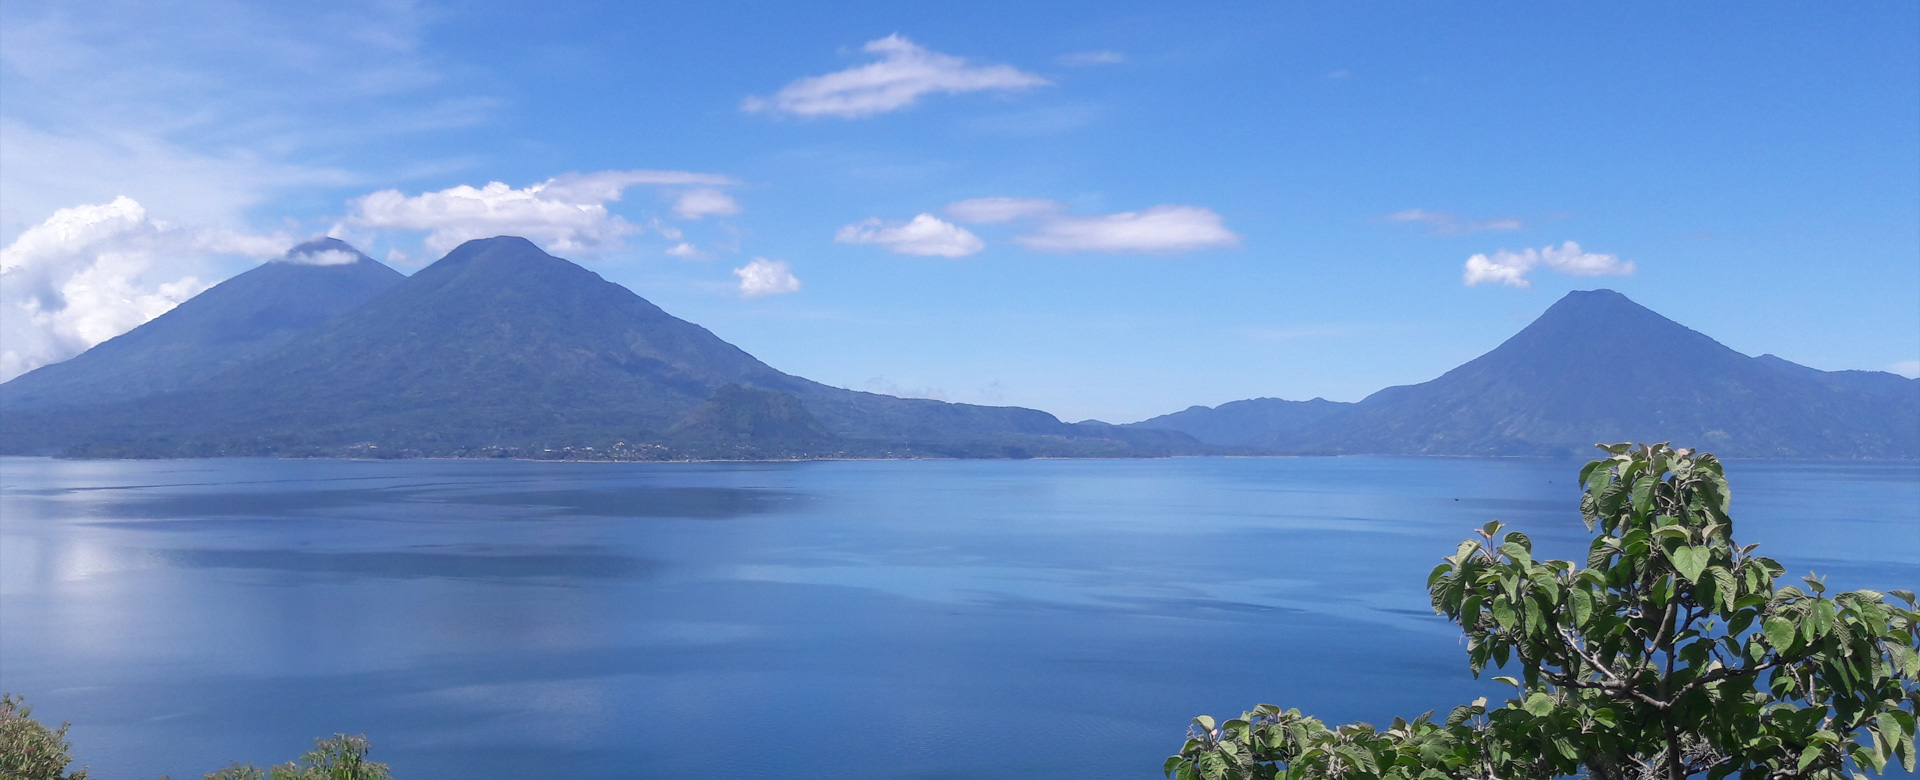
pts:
[237, 320]
[1597, 367]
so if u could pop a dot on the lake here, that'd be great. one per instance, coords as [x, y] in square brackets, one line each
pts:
[898, 619]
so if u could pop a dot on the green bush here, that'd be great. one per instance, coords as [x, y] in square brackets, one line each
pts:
[29, 750]
[1672, 654]
[338, 757]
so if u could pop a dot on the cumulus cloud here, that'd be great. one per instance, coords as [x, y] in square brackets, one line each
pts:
[566, 213]
[683, 250]
[1511, 268]
[762, 277]
[992, 210]
[1448, 224]
[923, 235]
[1160, 229]
[92, 272]
[904, 72]
[695, 204]
[1081, 59]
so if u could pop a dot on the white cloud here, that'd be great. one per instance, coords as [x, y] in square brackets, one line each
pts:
[904, 73]
[1162, 229]
[1511, 268]
[89, 273]
[1081, 59]
[992, 210]
[762, 277]
[1447, 224]
[683, 250]
[1906, 368]
[695, 204]
[566, 213]
[323, 257]
[923, 235]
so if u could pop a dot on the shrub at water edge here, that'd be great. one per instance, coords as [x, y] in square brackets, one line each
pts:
[1672, 653]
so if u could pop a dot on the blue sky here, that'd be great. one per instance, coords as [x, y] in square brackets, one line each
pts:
[1196, 204]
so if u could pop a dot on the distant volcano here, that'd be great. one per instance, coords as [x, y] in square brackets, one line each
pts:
[1597, 367]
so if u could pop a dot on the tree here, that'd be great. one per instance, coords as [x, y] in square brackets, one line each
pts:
[1672, 653]
[30, 750]
[339, 757]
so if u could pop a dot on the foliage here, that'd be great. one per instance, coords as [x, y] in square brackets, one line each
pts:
[1672, 653]
[339, 757]
[30, 750]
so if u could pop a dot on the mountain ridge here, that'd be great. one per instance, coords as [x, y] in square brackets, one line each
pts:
[501, 348]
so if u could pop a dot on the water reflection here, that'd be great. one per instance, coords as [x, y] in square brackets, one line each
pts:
[480, 565]
[1031, 619]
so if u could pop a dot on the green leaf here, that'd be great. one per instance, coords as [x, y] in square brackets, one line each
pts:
[1690, 561]
[1819, 620]
[1779, 632]
[1518, 553]
[1582, 604]
[1539, 704]
[1503, 613]
[1808, 756]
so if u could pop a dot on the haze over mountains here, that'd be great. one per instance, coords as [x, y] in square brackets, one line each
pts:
[500, 349]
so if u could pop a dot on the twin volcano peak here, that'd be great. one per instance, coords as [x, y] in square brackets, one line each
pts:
[499, 348]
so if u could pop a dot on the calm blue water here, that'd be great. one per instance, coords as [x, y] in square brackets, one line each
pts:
[815, 620]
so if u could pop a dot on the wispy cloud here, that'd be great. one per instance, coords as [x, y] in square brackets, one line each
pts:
[1082, 59]
[1511, 268]
[705, 203]
[236, 107]
[923, 235]
[1449, 224]
[89, 273]
[1163, 229]
[567, 213]
[905, 72]
[983, 211]
[761, 277]
[1906, 368]
[1160, 229]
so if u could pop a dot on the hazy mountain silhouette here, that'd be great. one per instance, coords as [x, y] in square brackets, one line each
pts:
[1597, 367]
[241, 318]
[501, 348]
[1256, 422]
